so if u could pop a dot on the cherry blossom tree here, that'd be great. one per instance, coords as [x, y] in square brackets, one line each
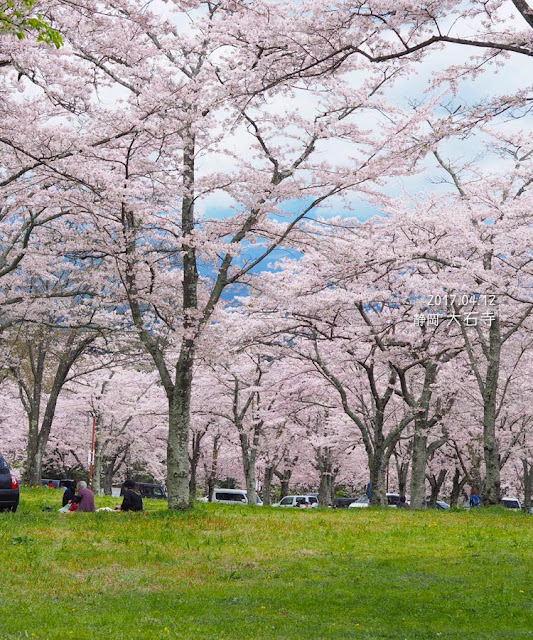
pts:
[486, 248]
[128, 409]
[403, 31]
[185, 97]
[41, 372]
[171, 169]
[329, 333]
[12, 425]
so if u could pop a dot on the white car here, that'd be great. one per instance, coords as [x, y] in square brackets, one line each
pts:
[233, 496]
[363, 501]
[512, 503]
[298, 501]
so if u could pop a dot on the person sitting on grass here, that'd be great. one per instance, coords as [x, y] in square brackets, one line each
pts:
[69, 494]
[86, 498]
[132, 500]
[71, 505]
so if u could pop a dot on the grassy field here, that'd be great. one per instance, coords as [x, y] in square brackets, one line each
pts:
[243, 572]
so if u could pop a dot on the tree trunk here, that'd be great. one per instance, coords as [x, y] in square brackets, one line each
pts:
[31, 397]
[436, 485]
[528, 483]
[267, 485]
[491, 494]
[248, 462]
[249, 473]
[418, 466]
[39, 435]
[377, 465]
[422, 429]
[178, 455]
[194, 460]
[212, 478]
[325, 489]
[285, 478]
[285, 483]
[178, 430]
[192, 481]
[457, 487]
[33, 467]
[180, 404]
[402, 470]
[112, 468]
[249, 454]
[107, 481]
[325, 468]
[97, 468]
[378, 458]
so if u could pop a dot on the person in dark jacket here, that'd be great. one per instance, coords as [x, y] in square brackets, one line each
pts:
[132, 500]
[402, 503]
[69, 495]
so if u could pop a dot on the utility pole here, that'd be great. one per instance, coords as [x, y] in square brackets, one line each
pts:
[91, 454]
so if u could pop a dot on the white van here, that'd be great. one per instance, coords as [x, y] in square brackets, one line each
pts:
[232, 496]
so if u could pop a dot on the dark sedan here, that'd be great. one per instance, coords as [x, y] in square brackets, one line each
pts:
[9, 488]
[343, 503]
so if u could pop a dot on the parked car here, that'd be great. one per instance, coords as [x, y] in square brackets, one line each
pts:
[51, 484]
[360, 503]
[307, 500]
[440, 504]
[149, 490]
[232, 496]
[9, 488]
[342, 503]
[56, 484]
[363, 501]
[393, 499]
[512, 503]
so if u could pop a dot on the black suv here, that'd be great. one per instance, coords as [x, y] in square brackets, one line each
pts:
[9, 488]
[149, 490]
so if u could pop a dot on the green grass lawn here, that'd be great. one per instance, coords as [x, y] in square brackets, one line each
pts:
[243, 572]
